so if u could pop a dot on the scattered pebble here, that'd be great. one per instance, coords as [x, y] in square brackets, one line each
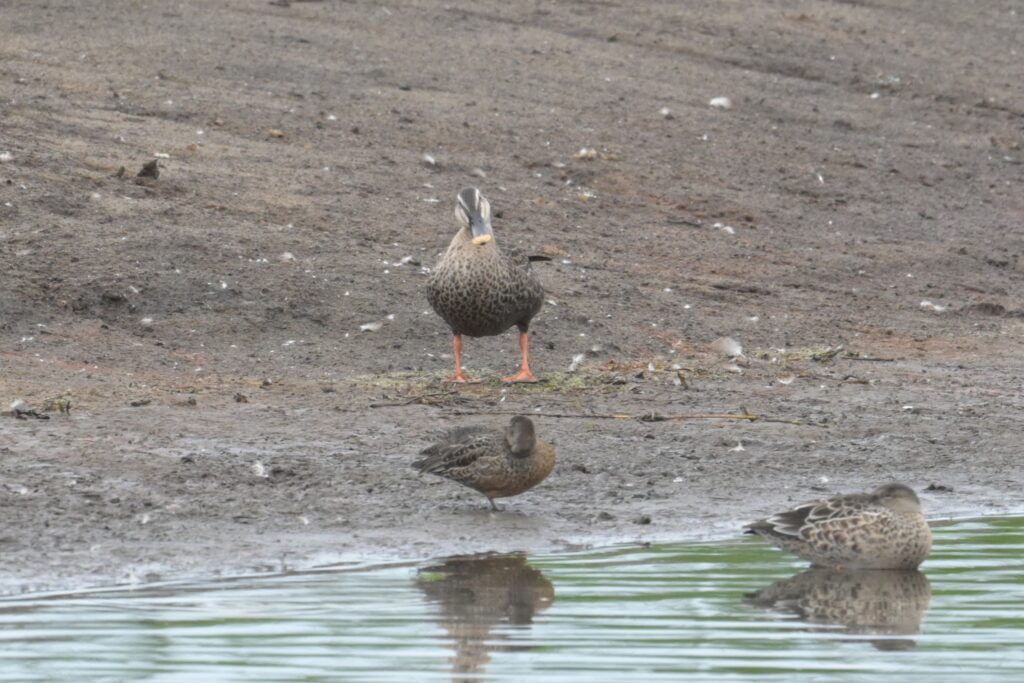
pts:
[720, 103]
[371, 327]
[6, 156]
[275, 133]
[642, 519]
[929, 306]
[727, 229]
[150, 169]
[429, 160]
[738, 448]
[585, 153]
[666, 113]
[22, 410]
[786, 379]
[260, 470]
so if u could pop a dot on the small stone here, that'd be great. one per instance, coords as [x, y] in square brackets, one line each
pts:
[150, 169]
[642, 519]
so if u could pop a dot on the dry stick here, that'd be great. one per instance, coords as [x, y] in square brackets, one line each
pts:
[415, 399]
[828, 355]
[646, 417]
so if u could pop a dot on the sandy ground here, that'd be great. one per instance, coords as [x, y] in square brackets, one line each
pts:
[229, 415]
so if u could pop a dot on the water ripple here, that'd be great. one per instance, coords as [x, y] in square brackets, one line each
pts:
[734, 611]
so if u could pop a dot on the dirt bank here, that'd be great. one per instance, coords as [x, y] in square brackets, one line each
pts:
[862, 191]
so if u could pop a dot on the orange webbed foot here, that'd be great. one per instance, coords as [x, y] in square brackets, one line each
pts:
[462, 379]
[522, 377]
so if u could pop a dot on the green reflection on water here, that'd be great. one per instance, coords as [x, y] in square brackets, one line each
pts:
[736, 610]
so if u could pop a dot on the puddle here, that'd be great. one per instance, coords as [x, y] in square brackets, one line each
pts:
[692, 612]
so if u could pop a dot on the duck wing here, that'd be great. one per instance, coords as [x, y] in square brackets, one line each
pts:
[522, 258]
[842, 511]
[460, 448]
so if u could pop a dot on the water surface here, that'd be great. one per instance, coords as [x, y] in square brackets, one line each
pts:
[736, 610]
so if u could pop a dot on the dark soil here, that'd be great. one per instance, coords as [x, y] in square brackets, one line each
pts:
[863, 192]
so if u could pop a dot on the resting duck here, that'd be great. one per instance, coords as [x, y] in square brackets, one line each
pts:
[481, 290]
[496, 462]
[880, 530]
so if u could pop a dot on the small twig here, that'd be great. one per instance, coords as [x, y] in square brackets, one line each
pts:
[850, 356]
[421, 398]
[828, 355]
[571, 416]
[654, 417]
[645, 417]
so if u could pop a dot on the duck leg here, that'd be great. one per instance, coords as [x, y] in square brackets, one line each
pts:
[524, 374]
[459, 377]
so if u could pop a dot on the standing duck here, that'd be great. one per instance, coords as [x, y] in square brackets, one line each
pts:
[481, 290]
[496, 462]
[883, 529]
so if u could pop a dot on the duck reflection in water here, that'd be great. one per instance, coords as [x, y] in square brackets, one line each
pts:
[480, 594]
[889, 602]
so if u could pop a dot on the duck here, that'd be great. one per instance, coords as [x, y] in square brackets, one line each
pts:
[884, 529]
[477, 597]
[498, 463]
[481, 290]
[864, 601]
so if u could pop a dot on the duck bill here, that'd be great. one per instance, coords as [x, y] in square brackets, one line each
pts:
[481, 232]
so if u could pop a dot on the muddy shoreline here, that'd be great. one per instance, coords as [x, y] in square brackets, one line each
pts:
[853, 220]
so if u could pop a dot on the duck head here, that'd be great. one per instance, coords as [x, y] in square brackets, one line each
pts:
[898, 498]
[473, 212]
[520, 435]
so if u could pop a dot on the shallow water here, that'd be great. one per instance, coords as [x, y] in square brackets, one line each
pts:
[674, 613]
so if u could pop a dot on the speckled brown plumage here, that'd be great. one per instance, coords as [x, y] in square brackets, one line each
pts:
[880, 530]
[496, 462]
[891, 602]
[482, 290]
